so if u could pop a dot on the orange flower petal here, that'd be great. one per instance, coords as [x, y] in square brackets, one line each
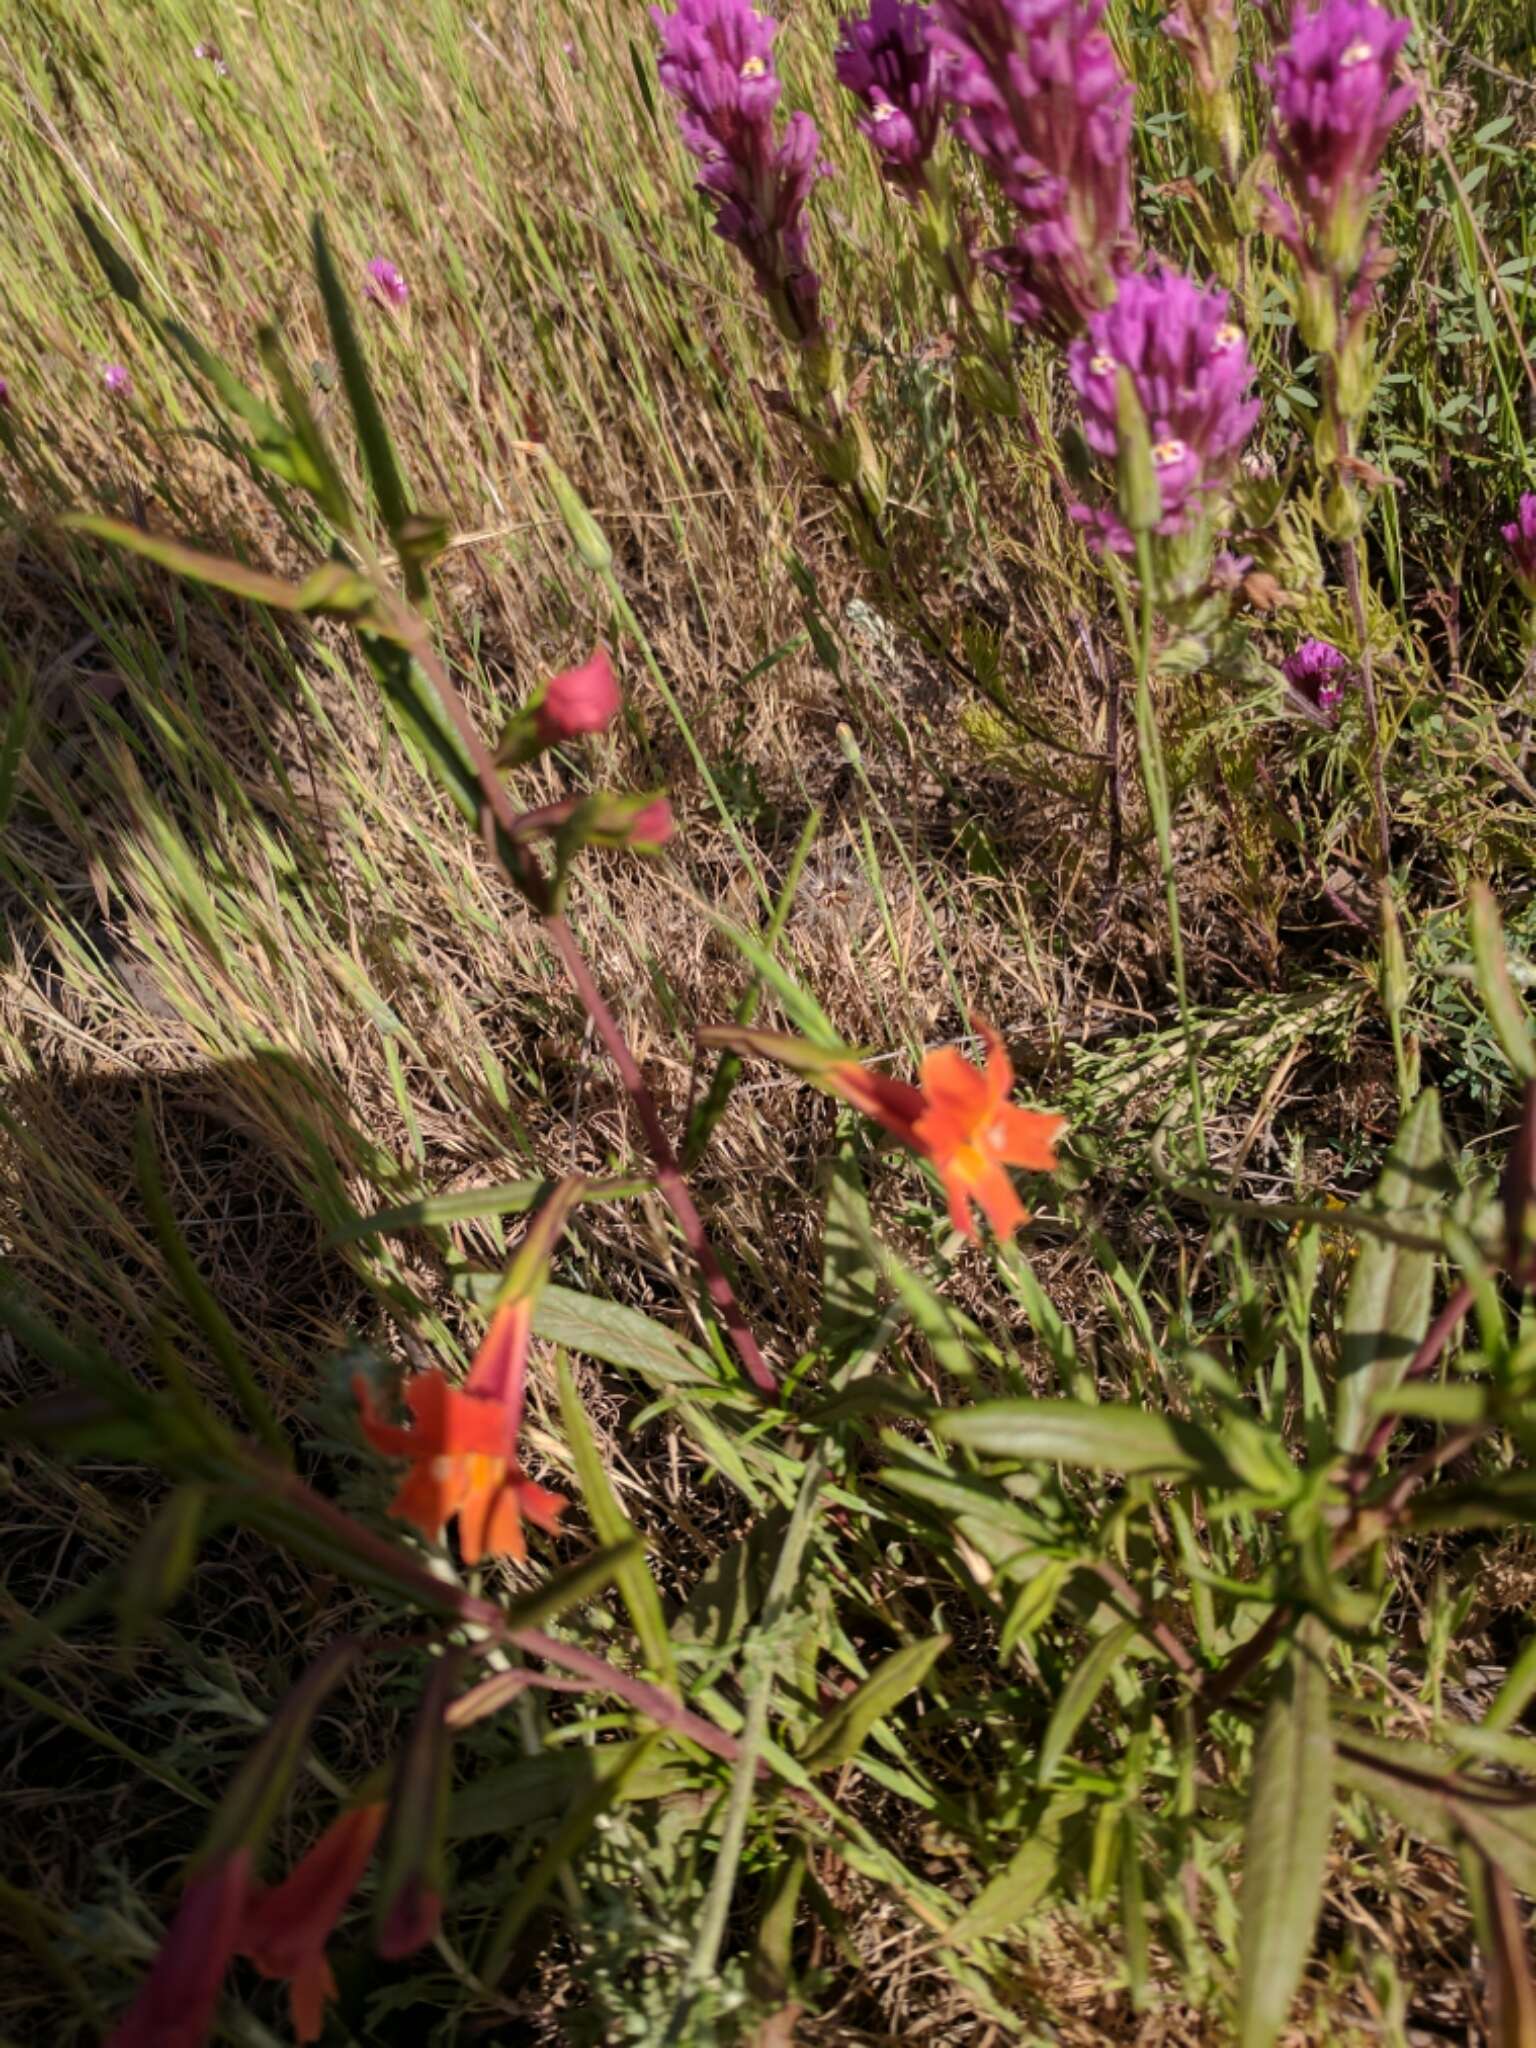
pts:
[539, 1505]
[1026, 1137]
[995, 1194]
[501, 1363]
[952, 1088]
[312, 1986]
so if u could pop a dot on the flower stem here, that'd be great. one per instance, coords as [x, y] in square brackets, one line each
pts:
[1354, 590]
[1154, 776]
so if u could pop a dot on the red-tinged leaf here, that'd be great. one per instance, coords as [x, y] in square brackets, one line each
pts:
[249, 1807]
[412, 1860]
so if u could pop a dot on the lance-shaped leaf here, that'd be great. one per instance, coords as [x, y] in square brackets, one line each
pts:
[1506, 1012]
[1386, 1311]
[248, 1809]
[161, 1562]
[1078, 1695]
[412, 1858]
[1096, 1437]
[1018, 1888]
[842, 1734]
[636, 1586]
[1289, 1816]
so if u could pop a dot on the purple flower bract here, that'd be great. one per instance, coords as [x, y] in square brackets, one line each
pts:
[717, 63]
[1334, 107]
[1192, 373]
[1318, 672]
[1048, 110]
[885, 58]
[1520, 538]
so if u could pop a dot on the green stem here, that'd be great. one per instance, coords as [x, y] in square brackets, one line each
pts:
[1155, 778]
[762, 1652]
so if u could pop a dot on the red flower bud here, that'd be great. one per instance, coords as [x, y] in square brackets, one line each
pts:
[581, 700]
[175, 2006]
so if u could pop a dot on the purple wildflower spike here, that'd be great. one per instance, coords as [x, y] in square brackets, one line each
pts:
[717, 63]
[1048, 110]
[1334, 107]
[886, 60]
[1192, 373]
[1520, 538]
[386, 286]
[1317, 672]
[117, 379]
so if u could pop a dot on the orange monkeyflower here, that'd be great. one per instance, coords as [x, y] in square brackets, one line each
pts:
[285, 1930]
[462, 1443]
[462, 1446]
[958, 1117]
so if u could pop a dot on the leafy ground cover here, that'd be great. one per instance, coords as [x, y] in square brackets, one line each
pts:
[1116, 1631]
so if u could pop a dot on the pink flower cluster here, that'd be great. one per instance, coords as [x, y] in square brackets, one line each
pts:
[886, 59]
[717, 63]
[1192, 373]
[1047, 108]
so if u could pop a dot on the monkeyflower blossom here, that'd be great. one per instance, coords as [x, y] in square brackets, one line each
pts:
[1192, 374]
[1520, 539]
[886, 60]
[579, 700]
[717, 63]
[285, 1929]
[117, 379]
[462, 1442]
[462, 1450]
[1047, 108]
[958, 1117]
[175, 2005]
[1335, 105]
[1317, 672]
[386, 286]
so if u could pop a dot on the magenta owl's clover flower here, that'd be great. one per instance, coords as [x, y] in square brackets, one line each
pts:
[1335, 105]
[386, 286]
[1191, 370]
[117, 379]
[1317, 672]
[1206, 31]
[1520, 539]
[885, 59]
[717, 63]
[1047, 108]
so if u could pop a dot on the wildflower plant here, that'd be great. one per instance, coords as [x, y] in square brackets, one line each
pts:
[1187, 1540]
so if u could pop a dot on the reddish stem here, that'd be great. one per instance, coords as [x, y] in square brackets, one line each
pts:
[528, 878]
[669, 1175]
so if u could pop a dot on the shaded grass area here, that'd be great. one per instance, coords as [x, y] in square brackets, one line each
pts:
[233, 905]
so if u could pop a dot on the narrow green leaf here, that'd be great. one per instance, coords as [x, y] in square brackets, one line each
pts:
[1386, 1311]
[13, 741]
[1078, 1695]
[633, 1575]
[620, 1336]
[1506, 1012]
[1289, 1820]
[850, 1288]
[373, 435]
[1099, 1438]
[572, 1585]
[842, 1734]
[218, 570]
[1024, 1880]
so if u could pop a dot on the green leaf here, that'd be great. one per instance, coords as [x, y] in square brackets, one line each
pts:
[842, 1734]
[1078, 1695]
[621, 1336]
[1289, 1820]
[1506, 1012]
[1024, 1880]
[1099, 1438]
[633, 1575]
[218, 570]
[1386, 1311]
[570, 1587]
[850, 1289]
[373, 435]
